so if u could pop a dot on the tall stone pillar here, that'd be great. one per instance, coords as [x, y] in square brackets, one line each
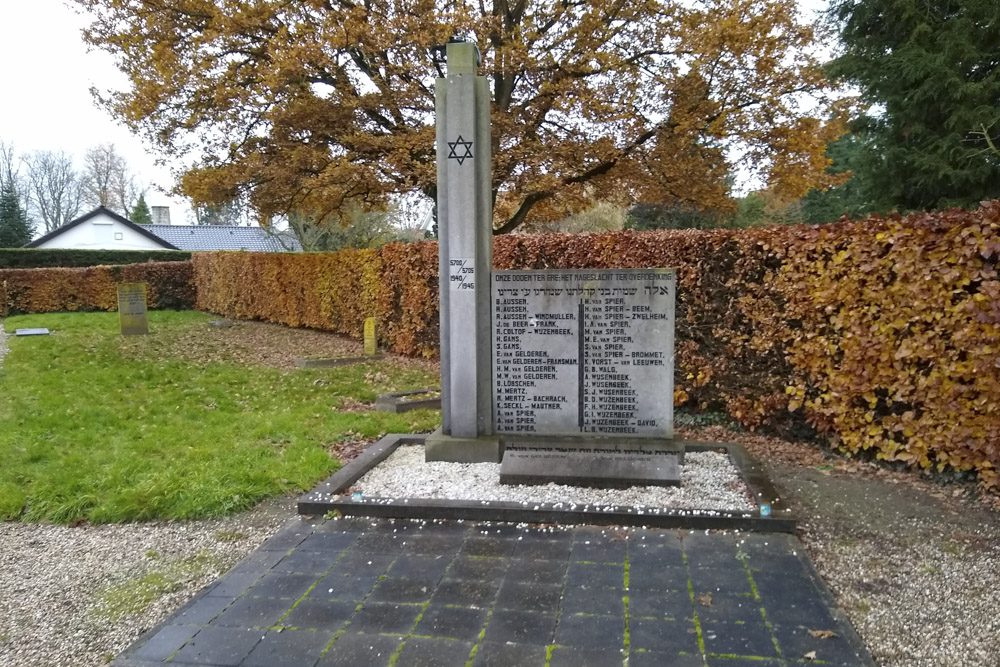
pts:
[465, 238]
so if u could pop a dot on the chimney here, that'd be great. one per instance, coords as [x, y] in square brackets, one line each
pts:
[160, 215]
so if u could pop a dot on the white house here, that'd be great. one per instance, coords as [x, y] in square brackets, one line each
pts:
[103, 229]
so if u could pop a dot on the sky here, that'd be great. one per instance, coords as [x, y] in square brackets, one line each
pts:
[46, 73]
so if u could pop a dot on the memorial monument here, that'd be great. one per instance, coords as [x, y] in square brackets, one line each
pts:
[559, 375]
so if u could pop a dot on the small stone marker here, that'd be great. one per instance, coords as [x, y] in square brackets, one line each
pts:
[370, 346]
[604, 469]
[42, 331]
[132, 309]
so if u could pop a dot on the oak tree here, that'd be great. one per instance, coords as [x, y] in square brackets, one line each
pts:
[319, 105]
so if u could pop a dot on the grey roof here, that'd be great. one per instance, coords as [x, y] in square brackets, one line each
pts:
[224, 237]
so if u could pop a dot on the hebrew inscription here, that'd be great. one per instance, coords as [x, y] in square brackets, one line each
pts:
[584, 352]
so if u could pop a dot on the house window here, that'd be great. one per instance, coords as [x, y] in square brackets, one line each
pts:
[118, 236]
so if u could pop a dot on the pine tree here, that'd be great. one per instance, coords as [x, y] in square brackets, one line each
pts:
[140, 214]
[15, 228]
[931, 71]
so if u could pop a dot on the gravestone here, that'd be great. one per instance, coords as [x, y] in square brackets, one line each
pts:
[370, 346]
[132, 309]
[570, 370]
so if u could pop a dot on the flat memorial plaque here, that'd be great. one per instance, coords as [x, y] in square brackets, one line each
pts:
[584, 352]
[591, 468]
[42, 331]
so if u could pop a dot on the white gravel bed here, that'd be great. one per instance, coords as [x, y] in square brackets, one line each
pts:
[925, 602]
[709, 481]
[54, 581]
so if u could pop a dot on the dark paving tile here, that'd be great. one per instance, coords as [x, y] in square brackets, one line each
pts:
[258, 562]
[658, 659]
[347, 524]
[537, 571]
[344, 587]
[714, 550]
[733, 581]
[417, 566]
[565, 656]
[288, 647]
[564, 534]
[477, 569]
[659, 604]
[725, 661]
[664, 637]
[464, 623]
[253, 612]
[595, 547]
[592, 632]
[386, 618]
[595, 576]
[378, 543]
[201, 610]
[433, 545]
[659, 577]
[739, 639]
[354, 650]
[520, 627]
[165, 642]
[425, 652]
[488, 546]
[395, 589]
[287, 538]
[727, 608]
[219, 646]
[497, 654]
[282, 585]
[495, 530]
[465, 593]
[329, 543]
[319, 615]
[602, 601]
[529, 597]
[234, 584]
[653, 556]
[362, 563]
[309, 562]
[543, 549]
[795, 642]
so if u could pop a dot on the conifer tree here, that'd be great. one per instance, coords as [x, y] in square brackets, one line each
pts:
[140, 214]
[930, 69]
[15, 228]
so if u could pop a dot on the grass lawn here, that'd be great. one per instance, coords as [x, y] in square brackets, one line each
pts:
[99, 427]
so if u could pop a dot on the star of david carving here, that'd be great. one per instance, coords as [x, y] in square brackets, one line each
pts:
[454, 150]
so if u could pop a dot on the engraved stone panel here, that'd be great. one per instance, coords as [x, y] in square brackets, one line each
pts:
[584, 352]
[591, 468]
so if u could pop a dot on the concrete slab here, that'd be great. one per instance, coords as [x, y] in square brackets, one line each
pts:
[598, 469]
[40, 331]
[506, 594]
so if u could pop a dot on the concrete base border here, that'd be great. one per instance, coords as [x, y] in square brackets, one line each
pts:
[328, 497]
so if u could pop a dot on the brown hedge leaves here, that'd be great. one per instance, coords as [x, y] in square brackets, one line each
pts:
[882, 333]
[169, 285]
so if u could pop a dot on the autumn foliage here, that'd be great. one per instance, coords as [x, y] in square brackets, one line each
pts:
[882, 333]
[169, 285]
[312, 107]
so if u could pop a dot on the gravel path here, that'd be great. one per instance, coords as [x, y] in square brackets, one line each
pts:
[79, 596]
[708, 481]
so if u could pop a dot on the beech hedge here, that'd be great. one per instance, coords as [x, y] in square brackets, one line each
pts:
[169, 285]
[882, 333]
